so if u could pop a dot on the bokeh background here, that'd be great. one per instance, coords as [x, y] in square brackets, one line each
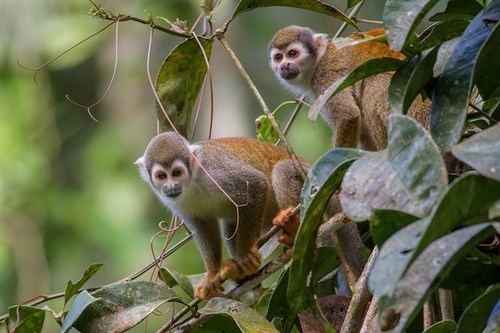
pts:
[70, 194]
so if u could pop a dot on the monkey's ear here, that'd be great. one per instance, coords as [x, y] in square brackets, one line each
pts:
[194, 150]
[142, 168]
[320, 42]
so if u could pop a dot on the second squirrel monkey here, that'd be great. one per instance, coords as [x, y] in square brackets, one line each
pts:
[195, 181]
[307, 63]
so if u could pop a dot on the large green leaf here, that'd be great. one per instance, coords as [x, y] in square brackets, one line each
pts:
[385, 222]
[482, 152]
[313, 5]
[427, 271]
[409, 176]
[476, 314]
[25, 319]
[410, 79]
[219, 309]
[451, 97]
[323, 178]
[487, 66]
[454, 210]
[82, 301]
[401, 17]
[178, 83]
[369, 68]
[72, 288]
[122, 306]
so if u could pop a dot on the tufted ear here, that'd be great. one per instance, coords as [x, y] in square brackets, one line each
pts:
[142, 168]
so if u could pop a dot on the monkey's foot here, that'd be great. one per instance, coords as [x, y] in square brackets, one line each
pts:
[209, 287]
[289, 224]
[241, 269]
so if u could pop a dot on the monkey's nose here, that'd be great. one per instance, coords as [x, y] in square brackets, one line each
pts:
[288, 72]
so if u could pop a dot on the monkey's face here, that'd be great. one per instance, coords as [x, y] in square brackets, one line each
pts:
[294, 66]
[170, 182]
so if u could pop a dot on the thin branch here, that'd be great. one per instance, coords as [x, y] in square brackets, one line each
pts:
[484, 114]
[360, 298]
[160, 258]
[370, 321]
[353, 12]
[446, 304]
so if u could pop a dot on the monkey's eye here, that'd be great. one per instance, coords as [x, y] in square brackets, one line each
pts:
[176, 173]
[278, 57]
[293, 53]
[161, 175]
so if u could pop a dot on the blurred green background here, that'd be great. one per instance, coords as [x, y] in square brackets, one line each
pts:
[70, 194]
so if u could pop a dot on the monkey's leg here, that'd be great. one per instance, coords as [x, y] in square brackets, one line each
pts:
[287, 185]
[207, 236]
[244, 234]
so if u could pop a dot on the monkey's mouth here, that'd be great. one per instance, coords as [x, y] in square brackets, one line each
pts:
[173, 191]
[173, 195]
[288, 73]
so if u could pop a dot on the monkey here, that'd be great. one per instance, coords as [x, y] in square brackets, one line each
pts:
[242, 183]
[306, 63]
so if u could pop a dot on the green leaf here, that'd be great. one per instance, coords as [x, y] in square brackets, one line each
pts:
[444, 326]
[482, 152]
[265, 131]
[487, 66]
[123, 305]
[451, 97]
[82, 301]
[385, 222]
[410, 79]
[179, 81]
[278, 304]
[26, 319]
[402, 17]
[458, 10]
[247, 319]
[312, 5]
[476, 314]
[428, 270]
[173, 278]
[352, 3]
[453, 211]
[441, 32]
[72, 289]
[445, 51]
[323, 178]
[409, 176]
[371, 67]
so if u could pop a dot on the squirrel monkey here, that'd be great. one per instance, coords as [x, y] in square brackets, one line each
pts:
[195, 180]
[307, 63]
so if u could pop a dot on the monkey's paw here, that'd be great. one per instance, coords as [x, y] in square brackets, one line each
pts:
[209, 288]
[241, 269]
[289, 224]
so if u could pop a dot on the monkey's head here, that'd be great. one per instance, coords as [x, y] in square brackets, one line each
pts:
[165, 165]
[293, 54]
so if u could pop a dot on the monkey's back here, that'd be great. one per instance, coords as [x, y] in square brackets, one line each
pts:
[260, 155]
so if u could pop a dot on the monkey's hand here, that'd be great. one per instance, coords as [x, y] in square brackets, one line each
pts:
[210, 287]
[289, 224]
[242, 268]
